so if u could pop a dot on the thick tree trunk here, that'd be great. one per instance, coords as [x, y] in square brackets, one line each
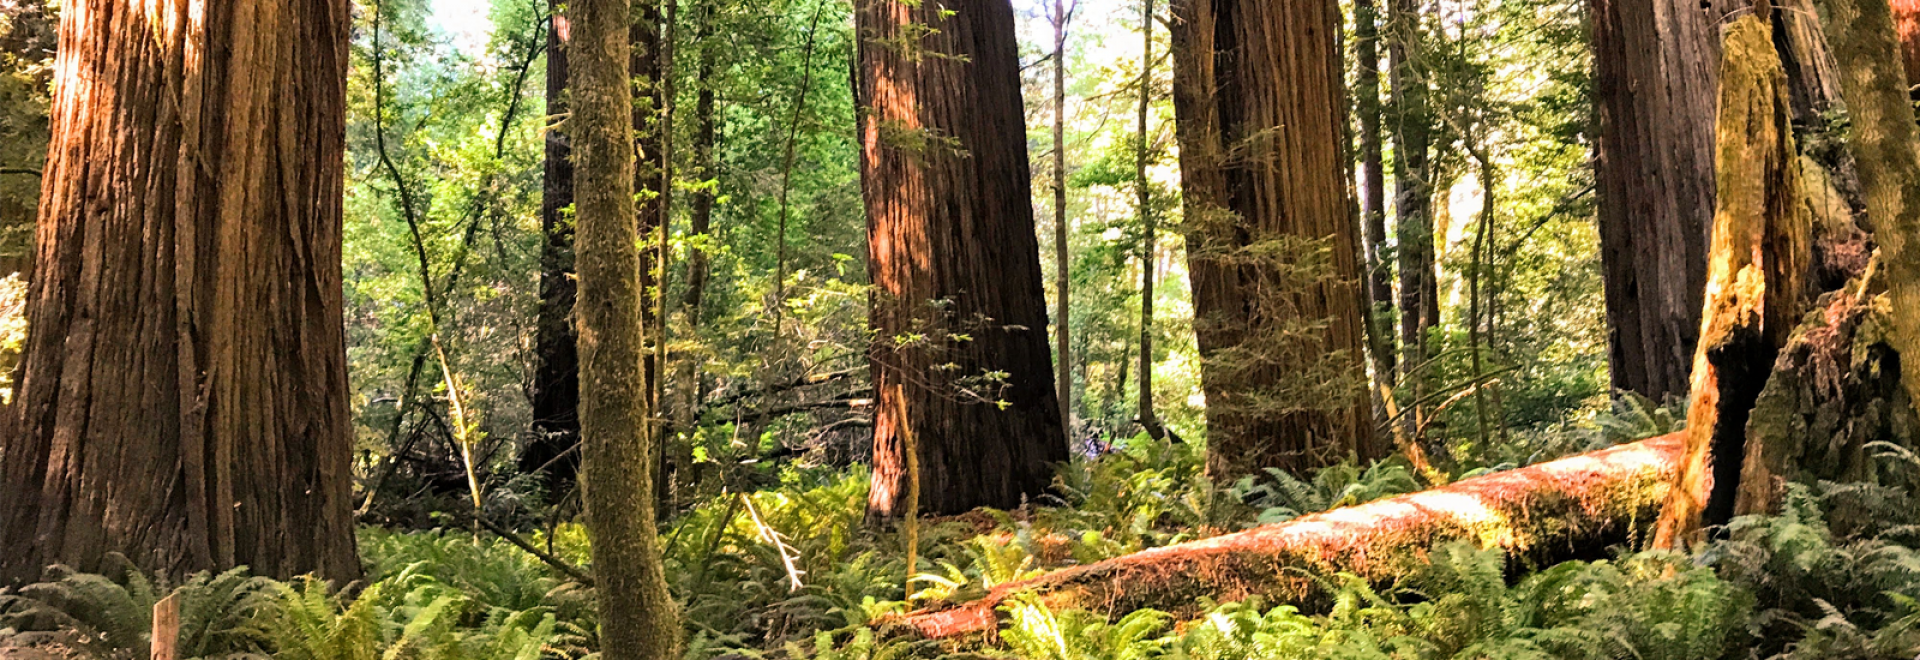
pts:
[637, 615]
[1413, 191]
[1373, 191]
[1757, 282]
[954, 258]
[183, 398]
[551, 454]
[1547, 511]
[1272, 244]
[1655, 77]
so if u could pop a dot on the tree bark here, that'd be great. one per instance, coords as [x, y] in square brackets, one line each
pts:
[954, 258]
[637, 615]
[550, 455]
[1538, 513]
[1272, 243]
[1413, 192]
[1373, 191]
[1062, 257]
[1149, 227]
[1873, 82]
[1655, 78]
[1906, 24]
[1757, 284]
[183, 398]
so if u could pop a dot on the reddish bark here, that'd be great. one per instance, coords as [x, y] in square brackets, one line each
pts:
[954, 257]
[183, 398]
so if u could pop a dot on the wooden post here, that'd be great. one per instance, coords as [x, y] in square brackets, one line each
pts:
[166, 628]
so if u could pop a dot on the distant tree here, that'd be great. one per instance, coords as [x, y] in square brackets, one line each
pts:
[1411, 126]
[1373, 189]
[1273, 242]
[960, 359]
[184, 395]
[551, 455]
[638, 618]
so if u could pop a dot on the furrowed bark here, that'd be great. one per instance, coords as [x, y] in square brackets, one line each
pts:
[183, 398]
[1656, 70]
[954, 258]
[1272, 245]
[1539, 513]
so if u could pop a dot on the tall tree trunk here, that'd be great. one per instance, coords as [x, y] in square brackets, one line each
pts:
[1655, 76]
[551, 455]
[1149, 229]
[1282, 352]
[637, 615]
[183, 398]
[700, 203]
[1873, 81]
[1412, 191]
[1373, 193]
[954, 257]
[1062, 257]
[651, 183]
[1757, 281]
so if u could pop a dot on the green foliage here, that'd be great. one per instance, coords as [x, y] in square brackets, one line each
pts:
[1284, 497]
[104, 617]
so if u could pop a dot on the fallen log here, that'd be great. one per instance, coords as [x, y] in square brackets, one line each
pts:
[1570, 507]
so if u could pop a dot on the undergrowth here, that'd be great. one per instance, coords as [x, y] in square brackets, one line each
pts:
[794, 573]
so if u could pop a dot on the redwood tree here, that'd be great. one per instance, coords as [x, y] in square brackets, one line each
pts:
[1655, 75]
[1273, 239]
[960, 356]
[183, 392]
[550, 455]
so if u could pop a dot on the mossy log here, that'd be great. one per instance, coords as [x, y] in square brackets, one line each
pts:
[1570, 507]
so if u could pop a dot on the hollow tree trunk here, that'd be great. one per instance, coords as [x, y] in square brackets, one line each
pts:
[1282, 352]
[1539, 513]
[1655, 77]
[954, 258]
[1757, 284]
[637, 615]
[550, 454]
[183, 398]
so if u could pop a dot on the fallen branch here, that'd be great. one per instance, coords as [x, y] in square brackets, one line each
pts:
[1548, 510]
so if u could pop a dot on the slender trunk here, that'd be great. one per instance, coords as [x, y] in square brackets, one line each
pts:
[953, 254]
[1655, 75]
[701, 200]
[1373, 198]
[1413, 194]
[637, 615]
[184, 398]
[1149, 249]
[1282, 353]
[788, 160]
[1906, 25]
[552, 454]
[1062, 261]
